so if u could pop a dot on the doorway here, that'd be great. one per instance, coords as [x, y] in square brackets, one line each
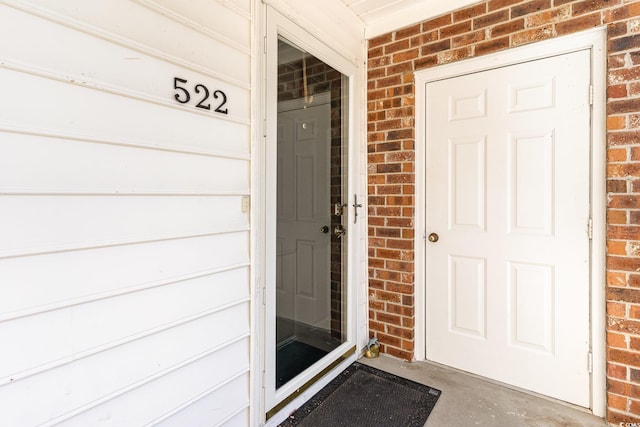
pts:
[309, 294]
[309, 327]
[508, 208]
[494, 186]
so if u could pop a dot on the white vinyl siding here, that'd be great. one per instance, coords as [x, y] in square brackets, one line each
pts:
[124, 248]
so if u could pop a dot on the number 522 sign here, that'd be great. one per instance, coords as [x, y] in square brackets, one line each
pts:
[203, 96]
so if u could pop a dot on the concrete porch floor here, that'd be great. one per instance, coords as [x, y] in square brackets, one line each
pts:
[467, 400]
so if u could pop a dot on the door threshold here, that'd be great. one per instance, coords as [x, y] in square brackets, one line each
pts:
[309, 383]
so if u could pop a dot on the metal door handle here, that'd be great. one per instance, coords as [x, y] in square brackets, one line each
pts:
[433, 237]
[355, 205]
[324, 229]
[339, 231]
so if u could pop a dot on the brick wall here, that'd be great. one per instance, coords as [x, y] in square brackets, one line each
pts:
[487, 27]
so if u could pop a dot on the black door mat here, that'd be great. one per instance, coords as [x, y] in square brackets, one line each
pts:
[293, 358]
[365, 396]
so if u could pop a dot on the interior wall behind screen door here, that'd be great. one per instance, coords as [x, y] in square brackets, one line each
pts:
[310, 292]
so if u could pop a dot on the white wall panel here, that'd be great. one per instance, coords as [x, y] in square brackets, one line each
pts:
[89, 113]
[55, 49]
[75, 222]
[44, 282]
[227, 23]
[120, 20]
[83, 328]
[219, 405]
[124, 244]
[26, 166]
[150, 373]
[192, 380]
[243, 6]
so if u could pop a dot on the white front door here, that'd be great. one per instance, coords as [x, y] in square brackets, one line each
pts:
[304, 218]
[508, 208]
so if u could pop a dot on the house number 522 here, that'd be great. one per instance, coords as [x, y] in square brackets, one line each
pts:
[202, 93]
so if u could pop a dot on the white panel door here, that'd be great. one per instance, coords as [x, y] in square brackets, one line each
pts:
[303, 246]
[508, 196]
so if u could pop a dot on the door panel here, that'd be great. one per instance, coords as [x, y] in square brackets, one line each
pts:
[309, 288]
[304, 187]
[508, 193]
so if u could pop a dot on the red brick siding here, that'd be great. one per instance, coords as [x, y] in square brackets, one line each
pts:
[486, 27]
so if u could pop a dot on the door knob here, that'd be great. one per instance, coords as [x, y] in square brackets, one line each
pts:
[433, 237]
[324, 229]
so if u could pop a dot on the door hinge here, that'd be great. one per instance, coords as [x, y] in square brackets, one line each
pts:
[590, 228]
[590, 362]
[590, 94]
[264, 46]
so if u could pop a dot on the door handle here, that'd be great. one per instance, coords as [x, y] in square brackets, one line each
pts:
[324, 229]
[433, 237]
[355, 205]
[339, 231]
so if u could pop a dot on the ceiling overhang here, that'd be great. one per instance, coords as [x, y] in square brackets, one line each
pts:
[383, 16]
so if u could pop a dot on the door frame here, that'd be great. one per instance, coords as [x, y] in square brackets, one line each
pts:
[269, 23]
[595, 41]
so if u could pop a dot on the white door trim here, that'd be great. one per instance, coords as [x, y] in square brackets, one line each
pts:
[595, 41]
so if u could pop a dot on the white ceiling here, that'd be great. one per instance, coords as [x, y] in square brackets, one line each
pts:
[383, 16]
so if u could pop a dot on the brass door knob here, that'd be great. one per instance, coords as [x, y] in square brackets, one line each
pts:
[433, 237]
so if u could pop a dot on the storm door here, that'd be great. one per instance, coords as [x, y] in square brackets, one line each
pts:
[307, 330]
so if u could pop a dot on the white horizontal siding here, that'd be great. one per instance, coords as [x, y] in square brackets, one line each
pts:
[219, 405]
[192, 380]
[59, 223]
[46, 282]
[141, 379]
[33, 103]
[57, 336]
[54, 48]
[26, 167]
[120, 20]
[124, 245]
[226, 24]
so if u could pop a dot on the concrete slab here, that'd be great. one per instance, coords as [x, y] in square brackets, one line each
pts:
[468, 400]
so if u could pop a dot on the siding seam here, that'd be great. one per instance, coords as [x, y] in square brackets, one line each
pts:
[21, 252]
[18, 314]
[151, 5]
[110, 37]
[52, 133]
[236, 412]
[12, 379]
[82, 81]
[236, 9]
[199, 397]
[143, 382]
